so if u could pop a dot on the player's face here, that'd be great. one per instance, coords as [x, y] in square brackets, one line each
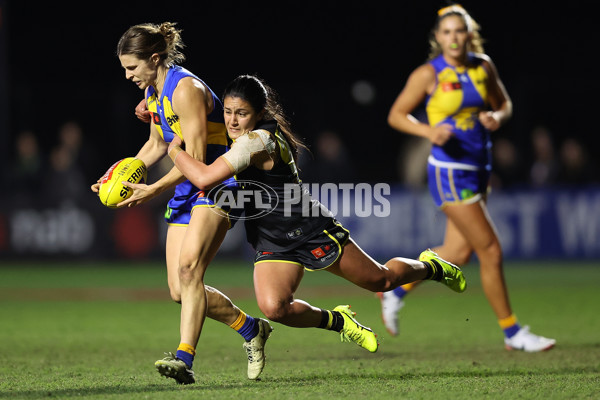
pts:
[239, 116]
[141, 72]
[453, 36]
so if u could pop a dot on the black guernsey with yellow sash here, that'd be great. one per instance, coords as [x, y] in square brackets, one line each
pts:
[294, 218]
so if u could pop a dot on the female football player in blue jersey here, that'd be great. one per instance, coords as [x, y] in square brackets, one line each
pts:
[465, 100]
[182, 105]
[289, 231]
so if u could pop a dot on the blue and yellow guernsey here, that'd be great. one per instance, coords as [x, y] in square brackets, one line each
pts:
[460, 94]
[167, 124]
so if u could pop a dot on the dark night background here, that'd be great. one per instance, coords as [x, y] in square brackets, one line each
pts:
[59, 63]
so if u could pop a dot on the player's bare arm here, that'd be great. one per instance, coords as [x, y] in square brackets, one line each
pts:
[189, 104]
[499, 99]
[151, 152]
[201, 175]
[420, 83]
[154, 149]
[192, 104]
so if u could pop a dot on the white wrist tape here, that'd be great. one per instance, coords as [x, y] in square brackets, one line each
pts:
[239, 157]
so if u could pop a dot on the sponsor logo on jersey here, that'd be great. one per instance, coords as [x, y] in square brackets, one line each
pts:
[450, 86]
[172, 120]
[155, 118]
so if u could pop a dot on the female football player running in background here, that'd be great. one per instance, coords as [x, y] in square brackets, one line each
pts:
[465, 100]
[182, 105]
[297, 233]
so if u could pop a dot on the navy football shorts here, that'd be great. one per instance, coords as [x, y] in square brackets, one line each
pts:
[455, 186]
[179, 208]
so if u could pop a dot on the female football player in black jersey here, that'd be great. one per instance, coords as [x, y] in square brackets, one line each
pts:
[289, 231]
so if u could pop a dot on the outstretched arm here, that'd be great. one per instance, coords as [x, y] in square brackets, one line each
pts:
[256, 148]
[153, 151]
[191, 106]
[201, 175]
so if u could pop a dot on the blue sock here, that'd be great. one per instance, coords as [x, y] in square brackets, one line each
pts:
[512, 331]
[186, 353]
[246, 326]
[509, 325]
[400, 292]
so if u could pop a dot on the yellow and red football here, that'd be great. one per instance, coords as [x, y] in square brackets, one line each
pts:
[112, 191]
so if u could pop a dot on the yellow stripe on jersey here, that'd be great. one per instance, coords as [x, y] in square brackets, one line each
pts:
[153, 108]
[286, 153]
[171, 117]
[445, 102]
[479, 77]
[217, 134]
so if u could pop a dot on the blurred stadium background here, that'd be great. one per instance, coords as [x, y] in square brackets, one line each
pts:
[66, 114]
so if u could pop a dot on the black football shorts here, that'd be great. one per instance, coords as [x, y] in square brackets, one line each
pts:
[319, 252]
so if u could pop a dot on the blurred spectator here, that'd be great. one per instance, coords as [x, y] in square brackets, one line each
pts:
[544, 168]
[575, 165]
[412, 162]
[331, 163]
[70, 136]
[506, 166]
[24, 176]
[63, 180]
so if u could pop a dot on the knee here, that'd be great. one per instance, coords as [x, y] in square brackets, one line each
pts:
[384, 284]
[274, 310]
[492, 252]
[189, 270]
[462, 256]
[174, 289]
[459, 255]
[175, 294]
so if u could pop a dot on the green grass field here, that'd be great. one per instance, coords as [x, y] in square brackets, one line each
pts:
[94, 331]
